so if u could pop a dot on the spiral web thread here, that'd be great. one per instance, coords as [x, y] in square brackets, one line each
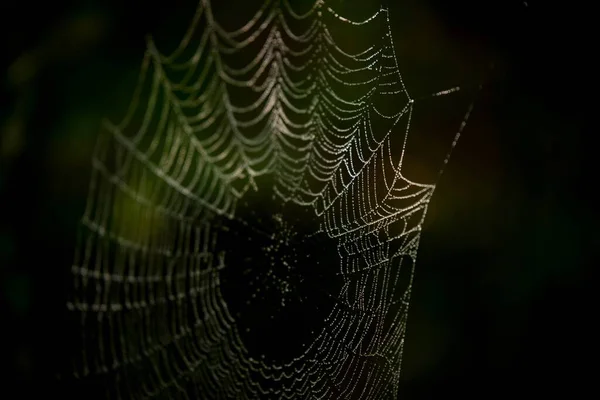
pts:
[202, 127]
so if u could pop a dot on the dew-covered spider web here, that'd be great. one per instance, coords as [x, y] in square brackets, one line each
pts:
[249, 232]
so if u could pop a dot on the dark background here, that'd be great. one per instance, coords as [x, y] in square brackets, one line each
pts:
[502, 302]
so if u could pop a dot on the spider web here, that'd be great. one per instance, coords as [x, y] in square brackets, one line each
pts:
[248, 231]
